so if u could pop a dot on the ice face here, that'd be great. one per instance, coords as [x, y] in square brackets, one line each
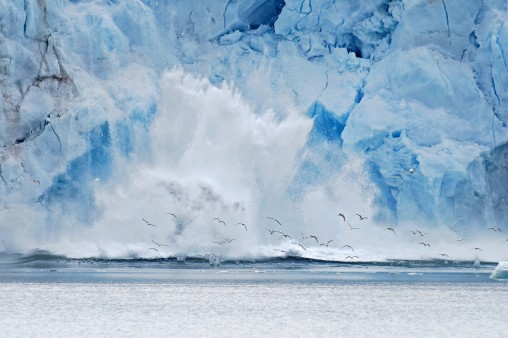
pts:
[248, 108]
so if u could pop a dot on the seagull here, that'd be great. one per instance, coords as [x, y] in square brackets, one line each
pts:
[158, 244]
[243, 225]
[478, 249]
[361, 217]
[299, 244]
[453, 229]
[444, 255]
[272, 231]
[37, 181]
[285, 235]
[342, 215]
[219, 220]
[494, 229]
[460, 240]
[274, 219]
[144, 220]
[228, 240]
[351, 228]
[351, 257]
[170, 213]
[410, 170]
[220, 243]
[349, 246]
[281, 251]
[391, 229]
[155, 250]
[418, 231]
[326, 244]
[312, 236]
[424, 244]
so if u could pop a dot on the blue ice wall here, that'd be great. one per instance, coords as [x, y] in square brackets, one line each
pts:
[71, 194]
[405, 85]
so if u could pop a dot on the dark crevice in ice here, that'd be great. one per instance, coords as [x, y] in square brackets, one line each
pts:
[224, 13]
[447, 21]
[26, 19]
[266, 13]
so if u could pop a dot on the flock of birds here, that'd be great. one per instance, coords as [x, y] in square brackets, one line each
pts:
[302, 240]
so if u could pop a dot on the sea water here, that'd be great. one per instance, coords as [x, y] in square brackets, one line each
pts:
[287, 298]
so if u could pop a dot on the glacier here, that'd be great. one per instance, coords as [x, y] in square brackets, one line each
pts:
[117, 111]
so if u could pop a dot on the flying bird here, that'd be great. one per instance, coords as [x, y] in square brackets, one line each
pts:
[272, 231]
[154, 250]
[281, 251]
[228, 240]
[144, 220]
[285, 235]
[158, 244]
[300, 245]
[327, 243]
[416, 231]
[478, 249]
[349, 246]
[219, 220]
[361, 217]
[494, 229]
[351, 227]
[170, 213]
[444, 255]
[312, 236]
[245, 226]
[342, 215]
[410, 170]
[351, 257]
[424, 244]
[391, 229]
[274, 219]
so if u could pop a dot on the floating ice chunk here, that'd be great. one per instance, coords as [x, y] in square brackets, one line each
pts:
[501, 271]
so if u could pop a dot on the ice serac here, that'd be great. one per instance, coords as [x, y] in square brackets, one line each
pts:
[319, 27]
[246, 15]
[398, 107]
[424, 109]
[69, 95]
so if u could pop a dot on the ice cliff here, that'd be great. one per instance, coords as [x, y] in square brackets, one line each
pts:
[113, 109]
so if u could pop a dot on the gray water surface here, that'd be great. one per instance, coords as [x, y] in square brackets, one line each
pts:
[250, 300]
